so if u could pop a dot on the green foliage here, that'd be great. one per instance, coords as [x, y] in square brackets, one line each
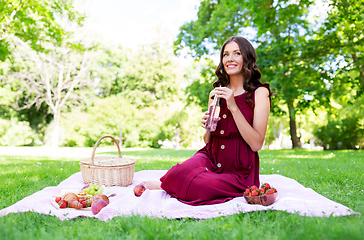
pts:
[139, 126]
[106, 117]
[345, 133]
[147, 77]
[34, 22]
[345, 126]
[14, 133]
[150, 76]
[43, 85]
[306, 59]
[108, 69]
[334, 174]
[340, 41]
[280, 29]
[201, 76]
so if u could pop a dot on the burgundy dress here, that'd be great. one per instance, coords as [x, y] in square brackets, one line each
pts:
[222, 169]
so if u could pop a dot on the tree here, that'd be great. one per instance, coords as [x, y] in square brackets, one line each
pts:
[108, 69]
[340, 42]
[201, 76]
[50, 77]
[287, 47]
[34, 22]
[151, 75]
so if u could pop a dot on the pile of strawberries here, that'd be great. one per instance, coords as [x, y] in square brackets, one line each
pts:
[265, 189]
[86, 202]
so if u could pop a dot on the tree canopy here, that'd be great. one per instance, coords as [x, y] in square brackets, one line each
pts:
[296, 50]
[34, 22]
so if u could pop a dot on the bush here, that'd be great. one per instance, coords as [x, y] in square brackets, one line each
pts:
[14, 133]
[346, 133]
[140, 127]
[107, 116]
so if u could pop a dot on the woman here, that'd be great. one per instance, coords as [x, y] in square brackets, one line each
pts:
[229, 162]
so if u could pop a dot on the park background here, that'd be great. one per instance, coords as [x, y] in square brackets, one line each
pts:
[72, 72]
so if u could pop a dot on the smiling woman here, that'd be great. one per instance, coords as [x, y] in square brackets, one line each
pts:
[229, 162]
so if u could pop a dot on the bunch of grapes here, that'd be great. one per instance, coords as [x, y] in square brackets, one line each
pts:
[93, 189]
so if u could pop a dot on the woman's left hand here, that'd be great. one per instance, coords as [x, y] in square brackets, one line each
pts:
[228, 95]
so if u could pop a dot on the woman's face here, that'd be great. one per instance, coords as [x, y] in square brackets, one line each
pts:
[232, 59]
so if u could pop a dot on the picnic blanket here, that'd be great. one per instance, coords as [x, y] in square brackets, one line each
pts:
[292, 197]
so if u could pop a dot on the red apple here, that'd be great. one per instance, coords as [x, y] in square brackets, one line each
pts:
[97, 205]
[86, 186]
[138, 190]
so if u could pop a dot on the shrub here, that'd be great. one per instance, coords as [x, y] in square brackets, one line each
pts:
[346, 133]
[140, 127]
[15, 133]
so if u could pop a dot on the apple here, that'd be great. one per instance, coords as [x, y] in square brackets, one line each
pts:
[97, 205]
[100, 196]
[86, 186]
[139, 189]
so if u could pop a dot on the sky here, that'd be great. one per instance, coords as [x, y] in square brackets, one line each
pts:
[134, 22]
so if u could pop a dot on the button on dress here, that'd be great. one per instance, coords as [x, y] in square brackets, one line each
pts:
[221, 170]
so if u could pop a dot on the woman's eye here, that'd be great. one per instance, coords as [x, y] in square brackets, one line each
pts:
[225, 55]
[237, 54]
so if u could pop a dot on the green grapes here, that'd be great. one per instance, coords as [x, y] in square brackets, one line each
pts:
[93, 189]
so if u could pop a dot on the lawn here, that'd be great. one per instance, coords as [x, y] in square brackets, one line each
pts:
[337, 175]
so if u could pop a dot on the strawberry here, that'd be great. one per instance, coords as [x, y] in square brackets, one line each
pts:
[88, 203]
[255, 193]
[270, 191]
[62, 203]
[84, 204]
[254, 187]
[247, 192]
[266, 185]
[58, 199]
[81, 200]
[261, 191]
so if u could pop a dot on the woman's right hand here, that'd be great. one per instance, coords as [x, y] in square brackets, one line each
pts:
[205, 117]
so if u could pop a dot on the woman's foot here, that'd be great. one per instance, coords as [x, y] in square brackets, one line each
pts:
[152, 185]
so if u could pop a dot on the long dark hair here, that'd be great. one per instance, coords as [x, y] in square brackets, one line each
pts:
[250, 69]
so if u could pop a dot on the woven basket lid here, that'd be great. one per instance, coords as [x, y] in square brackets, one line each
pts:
[107, 161]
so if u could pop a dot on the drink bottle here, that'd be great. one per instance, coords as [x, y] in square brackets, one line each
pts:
[214, 113]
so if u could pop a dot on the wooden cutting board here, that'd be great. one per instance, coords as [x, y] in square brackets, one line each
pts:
[54, 204]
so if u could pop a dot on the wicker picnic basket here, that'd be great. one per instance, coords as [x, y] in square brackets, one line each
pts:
[107, 170]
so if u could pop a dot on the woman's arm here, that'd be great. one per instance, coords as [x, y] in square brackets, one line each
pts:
[253, 135]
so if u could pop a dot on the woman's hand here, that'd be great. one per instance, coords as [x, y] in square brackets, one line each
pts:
[228, 95]
[205, 117]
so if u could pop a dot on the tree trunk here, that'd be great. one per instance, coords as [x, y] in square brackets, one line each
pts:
[55, 132]
[292, 126]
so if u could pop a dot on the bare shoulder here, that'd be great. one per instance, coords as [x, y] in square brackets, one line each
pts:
[262, 92]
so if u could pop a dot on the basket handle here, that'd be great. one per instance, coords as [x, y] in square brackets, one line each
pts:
[97, 143]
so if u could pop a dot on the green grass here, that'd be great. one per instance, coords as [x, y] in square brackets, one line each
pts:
[337, 175]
